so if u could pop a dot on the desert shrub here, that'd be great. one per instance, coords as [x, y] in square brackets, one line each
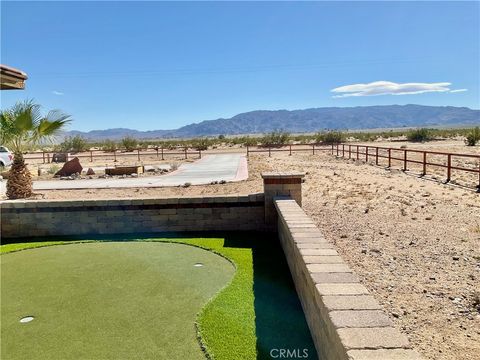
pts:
[221, 137]
[366, 136]
[129, 143]
[200, 144]
[248, 141]
[330, 137]
[473, 137]
[275, 138]
[419, 135]
[53, 169]
[73, 144]
[109, 145]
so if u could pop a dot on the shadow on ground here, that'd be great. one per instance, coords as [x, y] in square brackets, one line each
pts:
[279, 318]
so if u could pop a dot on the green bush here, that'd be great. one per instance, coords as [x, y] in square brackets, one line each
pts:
[109, 145]
[330, 137]
[201, 144]
[73, 144]
[419, 135]
[473, 137]
[275, 138]
[53, 169]
[129, 143]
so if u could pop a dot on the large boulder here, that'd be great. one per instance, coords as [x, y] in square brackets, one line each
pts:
[70, 167]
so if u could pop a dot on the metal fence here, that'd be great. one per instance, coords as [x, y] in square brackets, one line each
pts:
[311, 148]
[421, 161]
[159, 153]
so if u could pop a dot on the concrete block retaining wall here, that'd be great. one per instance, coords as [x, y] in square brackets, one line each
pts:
[345, 321]
[52, 218]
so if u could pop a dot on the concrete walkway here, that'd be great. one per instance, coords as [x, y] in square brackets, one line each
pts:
[228, 167]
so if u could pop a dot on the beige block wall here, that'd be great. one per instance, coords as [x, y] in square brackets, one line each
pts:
[53, 218]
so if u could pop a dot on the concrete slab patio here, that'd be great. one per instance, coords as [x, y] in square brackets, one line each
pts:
[228, 167]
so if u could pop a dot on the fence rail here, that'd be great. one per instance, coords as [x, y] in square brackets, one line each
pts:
[160, 153]
[366, 152]
[313, 148]
[426, 159]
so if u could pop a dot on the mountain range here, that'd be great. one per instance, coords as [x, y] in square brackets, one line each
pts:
[307, 120]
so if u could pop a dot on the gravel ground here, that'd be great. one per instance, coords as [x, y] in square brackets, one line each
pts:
[415, 243]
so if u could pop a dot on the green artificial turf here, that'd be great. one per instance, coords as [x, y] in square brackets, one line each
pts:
[256, 312]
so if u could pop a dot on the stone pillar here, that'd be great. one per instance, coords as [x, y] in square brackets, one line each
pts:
[281, 184]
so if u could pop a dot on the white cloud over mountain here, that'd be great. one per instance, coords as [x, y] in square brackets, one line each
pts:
[391, 88]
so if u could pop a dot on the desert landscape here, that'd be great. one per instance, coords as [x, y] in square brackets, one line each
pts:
[415, 242]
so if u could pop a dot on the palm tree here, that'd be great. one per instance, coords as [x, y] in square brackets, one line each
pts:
[21, 127]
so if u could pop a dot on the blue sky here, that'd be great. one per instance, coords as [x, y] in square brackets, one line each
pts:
[159, 65]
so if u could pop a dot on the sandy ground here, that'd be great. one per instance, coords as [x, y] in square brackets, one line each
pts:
[414, 242]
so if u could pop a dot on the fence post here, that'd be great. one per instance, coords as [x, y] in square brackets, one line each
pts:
[366, 154]
[357, 151]
[269, 151]
[424, 172]
[449, 167]
[376, 155]
[156, 149]
[186, 155]
[138, 154]
[404, 160]
[343, 150]
[290, 154]
[248, 151]
[199, 153]
[313, 149]
[91, 156]
[389, 158]
[43, 153]
[114, 155]
[162, 154]
[48, 158]
[332, 149]
[478, 187]
[337, 149]
[349, 152]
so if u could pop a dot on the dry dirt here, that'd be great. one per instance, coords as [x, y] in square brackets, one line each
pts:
[414, 242]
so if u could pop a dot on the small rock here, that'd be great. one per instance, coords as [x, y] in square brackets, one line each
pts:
[90, 171]
[456, 258]
[134, 175]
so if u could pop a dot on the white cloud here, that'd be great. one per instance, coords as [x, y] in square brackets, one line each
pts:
[55, 92]
[389, 88]
[458, 90]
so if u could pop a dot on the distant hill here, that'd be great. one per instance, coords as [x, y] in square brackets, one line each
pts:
[308, 120]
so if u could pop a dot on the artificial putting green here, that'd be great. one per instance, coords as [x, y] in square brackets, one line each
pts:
[256, 312]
